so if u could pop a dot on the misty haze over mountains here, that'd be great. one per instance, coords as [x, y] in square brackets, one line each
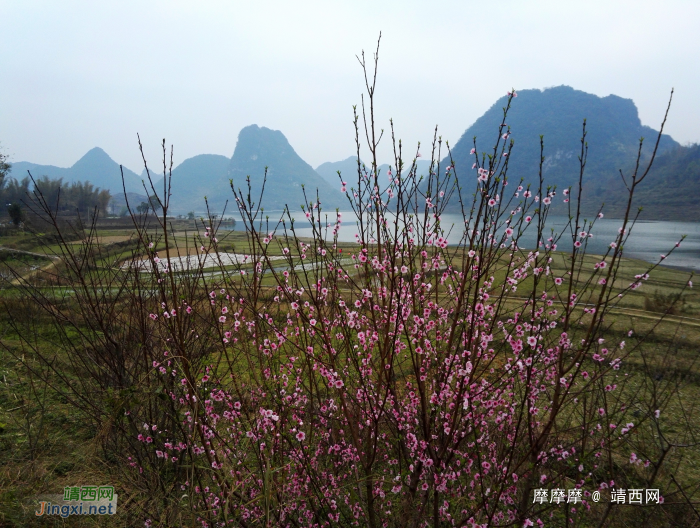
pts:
[257, 148]
[613, 128]
[95, 166]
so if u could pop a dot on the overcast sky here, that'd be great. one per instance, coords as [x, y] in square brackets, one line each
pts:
[80, 74]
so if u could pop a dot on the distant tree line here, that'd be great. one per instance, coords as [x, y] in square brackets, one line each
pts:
[67, 198]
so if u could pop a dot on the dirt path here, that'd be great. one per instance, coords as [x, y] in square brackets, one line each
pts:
[17, 281]
[11, 250]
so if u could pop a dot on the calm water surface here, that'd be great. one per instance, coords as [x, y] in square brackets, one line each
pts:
[649, 239]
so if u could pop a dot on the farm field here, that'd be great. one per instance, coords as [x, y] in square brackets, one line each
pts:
[47, 444]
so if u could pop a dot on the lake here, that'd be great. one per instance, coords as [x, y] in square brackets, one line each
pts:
[649, 239]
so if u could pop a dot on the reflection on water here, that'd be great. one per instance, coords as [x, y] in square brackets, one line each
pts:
[648, 241]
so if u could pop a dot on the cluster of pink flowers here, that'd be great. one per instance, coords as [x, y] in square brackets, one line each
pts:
[406, 382]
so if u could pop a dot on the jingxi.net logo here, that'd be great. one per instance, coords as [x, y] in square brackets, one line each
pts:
[80, 500]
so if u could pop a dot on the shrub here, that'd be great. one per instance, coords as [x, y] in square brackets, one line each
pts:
[406, 382]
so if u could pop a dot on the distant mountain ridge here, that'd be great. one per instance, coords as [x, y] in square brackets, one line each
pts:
[260, 147]
[667, 193]
[195, 178]
[256, 148]
[557, 113]
[613, 131]
[347, 167]
[95, 166]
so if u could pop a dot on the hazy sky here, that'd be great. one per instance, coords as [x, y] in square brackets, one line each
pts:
[79, 74]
